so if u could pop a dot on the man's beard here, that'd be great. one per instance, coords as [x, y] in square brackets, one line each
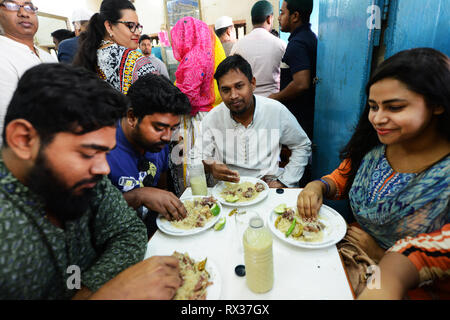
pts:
[60, 201]
[140, 141]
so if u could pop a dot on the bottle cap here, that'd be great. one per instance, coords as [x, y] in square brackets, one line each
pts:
[240, 270]
[256, 222]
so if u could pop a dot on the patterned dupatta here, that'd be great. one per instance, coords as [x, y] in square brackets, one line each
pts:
[199, 52]
[121, 66]
[418, 204]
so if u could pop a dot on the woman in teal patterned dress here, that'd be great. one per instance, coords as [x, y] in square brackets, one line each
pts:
[396, 166]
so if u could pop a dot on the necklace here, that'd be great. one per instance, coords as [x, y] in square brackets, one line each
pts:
[105, 42]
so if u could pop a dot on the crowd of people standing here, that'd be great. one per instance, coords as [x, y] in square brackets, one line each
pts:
[96, 146]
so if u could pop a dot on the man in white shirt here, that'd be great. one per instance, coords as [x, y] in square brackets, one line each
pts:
[17, 50]
[243, 135]
[262, 50]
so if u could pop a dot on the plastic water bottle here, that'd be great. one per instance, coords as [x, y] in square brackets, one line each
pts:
[258, 256]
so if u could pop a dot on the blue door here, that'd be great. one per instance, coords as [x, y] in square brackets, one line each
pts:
[344, 56]
[418, 23]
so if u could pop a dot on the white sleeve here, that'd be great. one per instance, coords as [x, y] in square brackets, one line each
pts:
[295, 138]
[8, 83]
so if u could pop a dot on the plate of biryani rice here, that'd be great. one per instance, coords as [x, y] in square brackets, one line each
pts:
[202, 213]
[285, 222]
[246, 192]
[201, 279]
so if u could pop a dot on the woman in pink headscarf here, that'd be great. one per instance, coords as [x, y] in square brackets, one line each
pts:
[199, 52]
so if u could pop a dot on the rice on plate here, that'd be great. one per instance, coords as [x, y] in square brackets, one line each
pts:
[195, 278]
[199, 212]
[241, 192]
[293, 226]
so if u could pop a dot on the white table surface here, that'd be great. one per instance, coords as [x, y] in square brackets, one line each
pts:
[316, 274]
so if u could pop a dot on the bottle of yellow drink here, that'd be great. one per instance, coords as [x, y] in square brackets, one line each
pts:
[258, 256]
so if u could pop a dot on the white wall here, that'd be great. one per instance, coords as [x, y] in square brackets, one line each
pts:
[65, 7]
[152, 14]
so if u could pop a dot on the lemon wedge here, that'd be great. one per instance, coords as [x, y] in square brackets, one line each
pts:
[220, 224]
[280, 209]
[231, 198]
[215, 210]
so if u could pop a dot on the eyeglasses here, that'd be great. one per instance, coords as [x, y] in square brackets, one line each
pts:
[12, 6]
[132, 26]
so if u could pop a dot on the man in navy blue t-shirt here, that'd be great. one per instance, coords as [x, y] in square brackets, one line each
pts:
[139, 162]
[299, 63]
[298, 68]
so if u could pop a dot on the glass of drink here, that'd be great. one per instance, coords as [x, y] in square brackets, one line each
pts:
[198, 179]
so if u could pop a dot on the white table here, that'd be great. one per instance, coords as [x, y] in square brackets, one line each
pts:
[298, 273]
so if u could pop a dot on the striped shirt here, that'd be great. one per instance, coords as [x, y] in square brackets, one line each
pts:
[430, 253]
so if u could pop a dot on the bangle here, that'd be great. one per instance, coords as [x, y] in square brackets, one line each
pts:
[327, 185]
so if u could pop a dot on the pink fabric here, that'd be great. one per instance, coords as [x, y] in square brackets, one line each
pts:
[193, 46]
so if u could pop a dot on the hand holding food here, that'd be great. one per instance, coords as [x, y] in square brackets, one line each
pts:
[199, 212]
[163, 202]
[156, 278]
[310, 200]
[292, 225]
[220, 171]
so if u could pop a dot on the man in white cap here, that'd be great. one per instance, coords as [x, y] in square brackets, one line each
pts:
[68, 48]
[18, 53]
[262, 50]
[225, 31]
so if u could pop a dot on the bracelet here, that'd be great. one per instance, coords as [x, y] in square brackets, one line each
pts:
[327, 185]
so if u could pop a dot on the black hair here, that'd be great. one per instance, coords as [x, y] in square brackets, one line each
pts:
[221, 31]
[110, 10]
[234, 62]
[156, 94]
[259, 20]
[62, 34]
[57, 98]
[425, 71]
[144, 37]
[304, 9]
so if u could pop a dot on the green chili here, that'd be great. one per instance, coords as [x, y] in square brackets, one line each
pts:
[291, 228]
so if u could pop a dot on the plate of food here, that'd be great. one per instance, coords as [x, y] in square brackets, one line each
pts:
[201, 278]
[203, 213]
[246, 192]
[285, 222]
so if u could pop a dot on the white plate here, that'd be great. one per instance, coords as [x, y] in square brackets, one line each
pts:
[218, 188]
[213, 291]
[335, 228]
[165, 226]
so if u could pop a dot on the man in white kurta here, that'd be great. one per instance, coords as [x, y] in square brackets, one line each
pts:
[17, 51]
[244, 134]
[262, 50]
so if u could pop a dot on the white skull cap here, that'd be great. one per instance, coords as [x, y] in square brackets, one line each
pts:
[81, 14]
[223, 22]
